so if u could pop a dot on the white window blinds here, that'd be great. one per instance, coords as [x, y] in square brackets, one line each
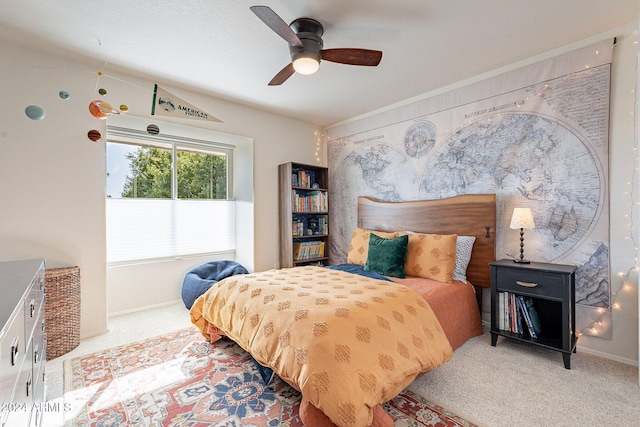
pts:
[139, 229]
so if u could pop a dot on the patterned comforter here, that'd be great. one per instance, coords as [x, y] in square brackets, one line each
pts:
[348, 342]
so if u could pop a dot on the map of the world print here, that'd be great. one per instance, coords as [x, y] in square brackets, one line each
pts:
[543, 146]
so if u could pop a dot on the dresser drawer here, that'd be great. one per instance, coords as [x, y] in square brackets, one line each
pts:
[12, 352]
[38, 357]
[22, 399]
[530, 282]
[33, 303]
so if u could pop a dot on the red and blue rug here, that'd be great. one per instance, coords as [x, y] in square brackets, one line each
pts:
[180, 380]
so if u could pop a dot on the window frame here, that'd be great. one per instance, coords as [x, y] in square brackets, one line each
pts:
[138, 138]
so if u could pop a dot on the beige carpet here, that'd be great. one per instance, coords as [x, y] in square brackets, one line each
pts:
[512, 384]
[517, 384]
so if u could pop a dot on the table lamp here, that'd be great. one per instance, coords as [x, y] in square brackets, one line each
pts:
[522, 218]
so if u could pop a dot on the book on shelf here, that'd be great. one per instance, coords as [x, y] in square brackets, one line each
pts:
[308, 250]
[533, 315]
[304, 225]
[313, 201]
[512, 314]
[507, 316]
[303, 178]
[501, 311]
[523, 305]
[517, 313]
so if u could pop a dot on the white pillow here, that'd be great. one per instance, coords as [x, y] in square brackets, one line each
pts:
[464, 245]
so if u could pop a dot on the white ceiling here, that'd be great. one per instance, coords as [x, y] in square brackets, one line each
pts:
[223, 49]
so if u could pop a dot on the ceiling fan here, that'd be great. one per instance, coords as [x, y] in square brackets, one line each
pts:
[304, 36]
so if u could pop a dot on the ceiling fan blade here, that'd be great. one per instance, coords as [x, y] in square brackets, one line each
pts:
[273, 21]
[348, 56]
[282, 75]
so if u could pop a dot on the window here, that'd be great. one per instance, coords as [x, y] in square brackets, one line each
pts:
[167, 196]
[201, 174]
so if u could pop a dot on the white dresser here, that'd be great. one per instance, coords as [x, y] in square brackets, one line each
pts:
[22, 343]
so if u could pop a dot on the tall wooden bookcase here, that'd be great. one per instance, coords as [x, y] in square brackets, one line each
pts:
[304, 214]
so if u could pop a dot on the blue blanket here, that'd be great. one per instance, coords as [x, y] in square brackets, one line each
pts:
[358, 269]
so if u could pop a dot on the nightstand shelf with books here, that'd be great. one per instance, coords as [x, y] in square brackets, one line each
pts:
[534, 303]
[304, 214]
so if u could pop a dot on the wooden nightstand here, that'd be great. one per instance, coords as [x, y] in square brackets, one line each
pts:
[550, 288]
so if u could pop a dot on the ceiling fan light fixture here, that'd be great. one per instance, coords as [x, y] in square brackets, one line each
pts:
[306, 47]
[306, 65]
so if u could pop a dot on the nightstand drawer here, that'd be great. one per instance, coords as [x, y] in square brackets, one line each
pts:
[530, 282]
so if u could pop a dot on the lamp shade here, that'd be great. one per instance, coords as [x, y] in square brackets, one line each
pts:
[522, 218]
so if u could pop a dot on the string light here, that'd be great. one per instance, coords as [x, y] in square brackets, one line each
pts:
[320, 136]
[625, 276]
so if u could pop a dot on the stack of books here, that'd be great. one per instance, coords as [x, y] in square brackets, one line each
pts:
[303, 178]
[316, 225]
[312, 201]
[308, 250]
[517, 313]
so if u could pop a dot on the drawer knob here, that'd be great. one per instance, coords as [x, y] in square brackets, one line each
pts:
[526, 284]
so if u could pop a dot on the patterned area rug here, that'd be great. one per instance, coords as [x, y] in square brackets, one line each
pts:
[180, 380]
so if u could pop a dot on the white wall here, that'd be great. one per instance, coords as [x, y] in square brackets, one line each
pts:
[133, 287]
[52, 177]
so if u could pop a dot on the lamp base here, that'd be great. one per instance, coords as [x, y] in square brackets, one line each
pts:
[522, 261]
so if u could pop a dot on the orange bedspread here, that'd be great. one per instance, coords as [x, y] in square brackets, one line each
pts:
[454, 304]
[348, 342]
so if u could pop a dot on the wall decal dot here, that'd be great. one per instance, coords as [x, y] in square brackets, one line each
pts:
[94, 135]
[34, 112]
[153, 129]
[123, 108]
[63, 94]
[102, 91]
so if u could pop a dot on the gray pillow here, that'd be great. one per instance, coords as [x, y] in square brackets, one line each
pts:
[464, 245]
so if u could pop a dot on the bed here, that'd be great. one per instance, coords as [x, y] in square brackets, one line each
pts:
[350, 342]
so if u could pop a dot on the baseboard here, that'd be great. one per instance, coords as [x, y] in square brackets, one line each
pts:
[93, 334]
[144, 308]
[607, 356]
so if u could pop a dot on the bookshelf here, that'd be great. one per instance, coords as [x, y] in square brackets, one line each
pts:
[550, 289]
[304, 214]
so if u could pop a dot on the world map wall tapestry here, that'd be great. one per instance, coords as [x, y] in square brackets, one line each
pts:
[537, 137]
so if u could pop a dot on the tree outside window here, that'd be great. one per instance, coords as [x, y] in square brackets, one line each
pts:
[137, 171]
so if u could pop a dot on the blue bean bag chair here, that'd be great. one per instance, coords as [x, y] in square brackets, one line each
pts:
[200, 279]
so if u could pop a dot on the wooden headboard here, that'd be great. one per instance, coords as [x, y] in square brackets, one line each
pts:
[465, 215]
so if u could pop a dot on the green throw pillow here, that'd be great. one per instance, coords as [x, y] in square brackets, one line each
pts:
[387, 256]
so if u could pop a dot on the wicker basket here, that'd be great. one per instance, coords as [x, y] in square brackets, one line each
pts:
[62, 310]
